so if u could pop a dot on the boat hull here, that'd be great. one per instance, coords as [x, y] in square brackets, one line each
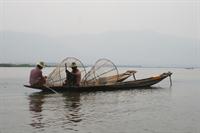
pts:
[148, 82]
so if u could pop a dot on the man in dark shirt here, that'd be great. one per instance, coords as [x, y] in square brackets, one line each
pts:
[73, 77]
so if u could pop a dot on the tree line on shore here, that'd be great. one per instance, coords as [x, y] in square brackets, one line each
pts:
[20, 65]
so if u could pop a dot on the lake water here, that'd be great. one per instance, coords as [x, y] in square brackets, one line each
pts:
[158, 110]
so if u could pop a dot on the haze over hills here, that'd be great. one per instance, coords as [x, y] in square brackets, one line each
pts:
[145, 48]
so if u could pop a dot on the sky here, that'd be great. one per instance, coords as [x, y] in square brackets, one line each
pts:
[59, 19]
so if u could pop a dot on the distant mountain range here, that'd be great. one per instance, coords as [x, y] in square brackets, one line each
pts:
[133, 48]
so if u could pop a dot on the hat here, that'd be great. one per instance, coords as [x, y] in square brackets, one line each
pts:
[73, 65]
[41, 64]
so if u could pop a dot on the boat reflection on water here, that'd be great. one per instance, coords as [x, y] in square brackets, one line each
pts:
[51, 110]
[73, 111]
[35, 107]
[72, 103]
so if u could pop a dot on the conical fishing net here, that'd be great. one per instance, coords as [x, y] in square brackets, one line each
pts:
[104, 72]
[58, 76]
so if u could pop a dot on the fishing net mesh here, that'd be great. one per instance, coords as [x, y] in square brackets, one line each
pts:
[102, 73]
[58, 76]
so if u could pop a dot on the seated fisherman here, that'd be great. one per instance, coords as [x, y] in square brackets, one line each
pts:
[36, 77]
[73, 77]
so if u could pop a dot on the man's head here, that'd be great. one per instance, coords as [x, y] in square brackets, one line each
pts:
[40, 65]
[73, 65]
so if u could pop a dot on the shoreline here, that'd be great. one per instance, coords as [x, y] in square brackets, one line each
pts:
[135, 66]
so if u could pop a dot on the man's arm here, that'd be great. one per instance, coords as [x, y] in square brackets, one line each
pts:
[69, 75]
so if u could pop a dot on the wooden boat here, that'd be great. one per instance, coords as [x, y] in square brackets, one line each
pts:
[133, 84]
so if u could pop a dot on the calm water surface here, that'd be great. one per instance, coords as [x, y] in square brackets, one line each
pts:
[158, 110]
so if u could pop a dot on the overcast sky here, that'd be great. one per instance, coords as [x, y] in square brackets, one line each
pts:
[58, 18]
[52, 17]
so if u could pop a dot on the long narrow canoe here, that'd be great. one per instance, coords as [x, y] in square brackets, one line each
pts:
[133, 84]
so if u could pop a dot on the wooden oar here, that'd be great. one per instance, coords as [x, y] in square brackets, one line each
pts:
[50, 89]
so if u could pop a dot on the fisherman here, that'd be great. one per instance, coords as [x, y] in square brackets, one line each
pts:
[36, 77]
[73, 77]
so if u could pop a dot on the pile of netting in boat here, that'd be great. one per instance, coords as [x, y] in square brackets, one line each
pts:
[103, 72]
